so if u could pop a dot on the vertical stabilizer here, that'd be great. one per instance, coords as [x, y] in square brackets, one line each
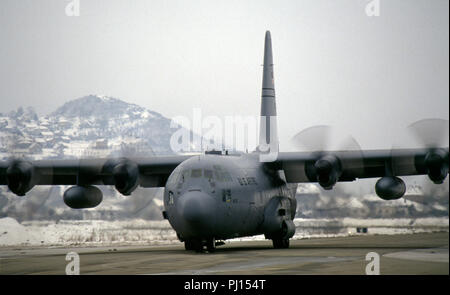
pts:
[268, 131]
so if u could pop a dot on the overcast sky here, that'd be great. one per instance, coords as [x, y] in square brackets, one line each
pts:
[334, 65]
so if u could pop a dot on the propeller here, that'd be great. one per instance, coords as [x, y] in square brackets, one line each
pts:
[115, 163]
[328, 164]
[321, 138]
[432, 135]
[314, 138]
[21, 175]
[121, 157]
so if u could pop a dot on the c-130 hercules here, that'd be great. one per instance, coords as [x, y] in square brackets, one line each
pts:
[213, 196]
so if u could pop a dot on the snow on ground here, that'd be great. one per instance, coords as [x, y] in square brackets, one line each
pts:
[146, 232]
[88, 232]
[13, 233]
[320, 228]
[307, 228]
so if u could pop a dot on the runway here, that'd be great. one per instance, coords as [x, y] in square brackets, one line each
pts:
[425, 253]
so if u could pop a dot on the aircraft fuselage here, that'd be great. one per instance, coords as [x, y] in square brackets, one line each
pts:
[227, 196]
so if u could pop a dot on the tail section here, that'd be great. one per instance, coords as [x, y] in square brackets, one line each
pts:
[268, 132]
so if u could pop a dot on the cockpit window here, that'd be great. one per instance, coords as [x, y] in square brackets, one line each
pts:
[208, 174]
[196, 173]
[221, 174]
[183, 176]
[226, 176]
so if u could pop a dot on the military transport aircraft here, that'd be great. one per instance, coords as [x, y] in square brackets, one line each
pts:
[215, 196]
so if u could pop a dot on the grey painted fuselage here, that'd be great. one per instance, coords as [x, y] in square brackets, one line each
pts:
[226, 196]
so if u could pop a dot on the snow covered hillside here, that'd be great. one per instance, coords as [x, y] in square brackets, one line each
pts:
[89, 126]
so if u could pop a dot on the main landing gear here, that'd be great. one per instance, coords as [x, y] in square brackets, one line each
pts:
[201, 245]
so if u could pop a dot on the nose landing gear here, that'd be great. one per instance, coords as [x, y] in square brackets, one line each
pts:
[280, 243]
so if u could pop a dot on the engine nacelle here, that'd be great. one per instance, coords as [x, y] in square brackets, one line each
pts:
[126, 177]
[20, 176]
[277, 219]
[80, 197]
[328, 170]
[390, 188]
[436, 163]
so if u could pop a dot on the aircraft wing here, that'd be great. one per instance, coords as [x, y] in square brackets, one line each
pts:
[329, 167]
[124, 173]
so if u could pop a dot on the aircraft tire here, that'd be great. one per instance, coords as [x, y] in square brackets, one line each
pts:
[211, 245]
[280, 243]
[194, 244]
[197, 245]
[188, 245]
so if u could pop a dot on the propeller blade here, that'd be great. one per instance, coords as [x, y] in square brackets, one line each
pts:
[315, 138]
[319, 139]
[431, 133]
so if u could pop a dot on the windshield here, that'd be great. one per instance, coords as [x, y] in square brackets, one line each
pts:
[219, 174]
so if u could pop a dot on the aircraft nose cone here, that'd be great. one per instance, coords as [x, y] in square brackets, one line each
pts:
[197, 208]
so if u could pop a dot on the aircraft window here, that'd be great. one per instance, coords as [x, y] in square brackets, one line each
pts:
[221, 174]
[251, 180]
[171, 198]
[218, 172]
[226, 176]
[196, 173]
[218, 175]
[183, 176]
[208, 174]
